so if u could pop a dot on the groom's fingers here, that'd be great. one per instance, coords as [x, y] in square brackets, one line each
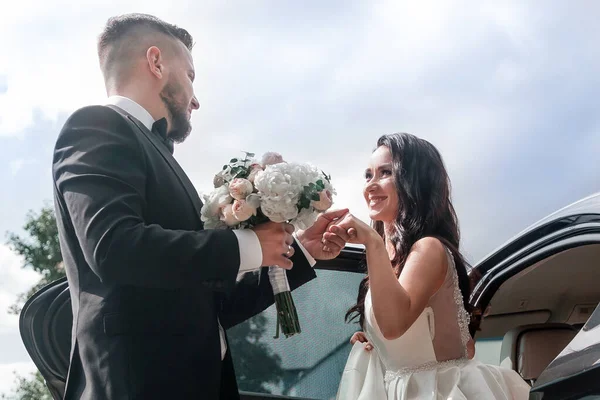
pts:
[289, 240]
[289, 228]
[285, 262]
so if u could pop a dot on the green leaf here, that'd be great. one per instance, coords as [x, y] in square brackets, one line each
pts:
[233, 160]
[315, 197]
[224, 167]
[304, 202]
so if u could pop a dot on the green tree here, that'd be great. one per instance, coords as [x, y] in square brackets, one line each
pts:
[29, 388]
[40, 250]
[257, 366]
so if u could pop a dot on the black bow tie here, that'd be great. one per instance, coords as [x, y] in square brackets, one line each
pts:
[159, 127]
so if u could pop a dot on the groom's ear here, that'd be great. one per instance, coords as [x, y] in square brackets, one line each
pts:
[155, 61]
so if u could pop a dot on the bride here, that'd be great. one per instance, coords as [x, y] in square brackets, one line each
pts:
[413, 305]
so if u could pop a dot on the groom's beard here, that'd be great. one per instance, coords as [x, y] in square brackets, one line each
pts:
[180, 125]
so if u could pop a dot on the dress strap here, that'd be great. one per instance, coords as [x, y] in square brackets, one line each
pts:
[463, 316]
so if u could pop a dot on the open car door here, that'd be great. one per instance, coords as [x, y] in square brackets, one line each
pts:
[539, 292]
[45, 325]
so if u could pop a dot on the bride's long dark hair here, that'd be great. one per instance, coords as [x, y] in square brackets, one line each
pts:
[425, 209]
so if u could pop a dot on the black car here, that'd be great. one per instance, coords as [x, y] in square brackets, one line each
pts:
[538, 298]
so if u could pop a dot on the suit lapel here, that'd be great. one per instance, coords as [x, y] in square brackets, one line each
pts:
[183, 178]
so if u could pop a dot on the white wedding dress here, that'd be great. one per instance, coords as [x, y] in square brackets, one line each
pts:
[429, 360]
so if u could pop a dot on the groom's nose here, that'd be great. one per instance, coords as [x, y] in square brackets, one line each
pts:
[195, 103]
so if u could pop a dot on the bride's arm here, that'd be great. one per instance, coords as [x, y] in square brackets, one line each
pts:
[398, 302]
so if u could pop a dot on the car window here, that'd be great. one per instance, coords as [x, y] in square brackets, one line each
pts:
[306, 365]
[487, 350]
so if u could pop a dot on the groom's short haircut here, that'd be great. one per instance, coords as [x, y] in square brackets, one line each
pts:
[124, 37]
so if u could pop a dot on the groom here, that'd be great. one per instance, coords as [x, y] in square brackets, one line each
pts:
[152, 292]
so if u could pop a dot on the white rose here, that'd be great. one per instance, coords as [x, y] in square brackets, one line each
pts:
[214, 223]
[271, 158]
[227, 215]
[254, 169]
[242, 210]
[213, 203]
[218, 180]
[253, 200]
[240, 188]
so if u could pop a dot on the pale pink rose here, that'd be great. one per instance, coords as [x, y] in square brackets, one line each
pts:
[324, 202]
[254, 169]
[227, 215]
[242, 210]
[240, 188]
[271, 158]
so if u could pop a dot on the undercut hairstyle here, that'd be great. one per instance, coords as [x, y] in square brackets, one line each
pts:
[125, 37]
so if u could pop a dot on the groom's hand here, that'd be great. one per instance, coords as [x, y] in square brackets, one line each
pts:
[321, 244]
[276, 243]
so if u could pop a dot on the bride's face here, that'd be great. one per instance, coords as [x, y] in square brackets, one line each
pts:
[380, 188]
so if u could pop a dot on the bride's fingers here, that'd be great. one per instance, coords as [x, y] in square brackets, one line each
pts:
[360, 337]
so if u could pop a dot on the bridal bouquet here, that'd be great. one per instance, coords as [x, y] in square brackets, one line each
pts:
[248, 192]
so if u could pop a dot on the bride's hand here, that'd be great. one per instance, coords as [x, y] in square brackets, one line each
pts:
[360, 337]
[353, 230]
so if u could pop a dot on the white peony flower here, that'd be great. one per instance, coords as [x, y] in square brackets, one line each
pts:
[280, 188]
[279, 211]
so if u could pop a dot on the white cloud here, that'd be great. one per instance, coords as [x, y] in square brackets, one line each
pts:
[52, 47]
[13, 281]
[17, 164]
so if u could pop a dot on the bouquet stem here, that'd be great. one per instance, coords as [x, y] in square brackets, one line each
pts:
[287, 316]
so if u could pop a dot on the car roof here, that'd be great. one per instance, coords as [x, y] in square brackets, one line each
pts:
[585, 210]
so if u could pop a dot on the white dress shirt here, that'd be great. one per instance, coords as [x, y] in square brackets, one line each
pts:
[248, 243]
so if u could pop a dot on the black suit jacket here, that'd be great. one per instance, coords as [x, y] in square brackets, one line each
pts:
[147, 282]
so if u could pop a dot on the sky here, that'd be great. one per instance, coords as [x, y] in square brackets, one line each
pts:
[507, 91]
